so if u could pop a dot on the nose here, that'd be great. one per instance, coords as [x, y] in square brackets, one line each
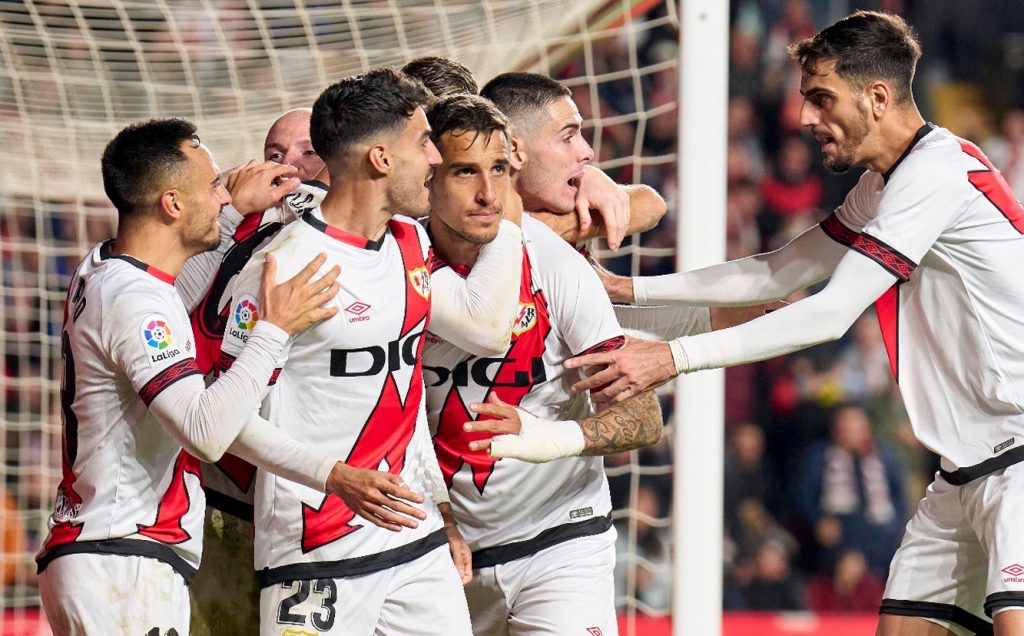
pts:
[433, 155]
[485, 193]
[809, 114]
[225, 196]
[586, 153]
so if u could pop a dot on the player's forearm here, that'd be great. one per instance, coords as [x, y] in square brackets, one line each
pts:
[805, 260]
[205, 422]
[268, 448]
[198, 273]
[627, 425]
[823, 317]
[646, 207]
[477, 313]
[662, 322]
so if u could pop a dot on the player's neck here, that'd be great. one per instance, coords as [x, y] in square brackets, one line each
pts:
[894, 137]
[151, 246]
[451, 248]
[358, 208]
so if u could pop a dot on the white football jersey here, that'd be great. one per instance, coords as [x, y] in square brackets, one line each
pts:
[944, 222]
[127, 487]
[229, 484]
[352, 386]
[508, 508]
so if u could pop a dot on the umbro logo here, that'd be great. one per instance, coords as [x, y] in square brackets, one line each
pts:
[357, 309]
[595, 631]
[1014, 570]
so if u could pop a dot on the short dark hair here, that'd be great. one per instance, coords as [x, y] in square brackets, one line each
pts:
[142, 158]
[867, 46]
[358, 107]
[522, 95]
[466, 113]
[442, 76]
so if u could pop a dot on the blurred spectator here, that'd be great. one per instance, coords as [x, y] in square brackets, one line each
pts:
[851, 588]
[1006, 151]
[773, 586]
[792, 190]
[748, 474]
[651, 559]
[850, 492]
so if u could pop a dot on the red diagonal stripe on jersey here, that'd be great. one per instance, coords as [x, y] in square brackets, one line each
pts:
[385, 437]
[452, 441]
[209, 318]
[240, 472]
[416, 305]
[167, 377]
[991, 183]
[887, 308]
[174, 504]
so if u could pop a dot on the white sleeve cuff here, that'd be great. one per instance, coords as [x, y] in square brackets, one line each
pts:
[540, 440]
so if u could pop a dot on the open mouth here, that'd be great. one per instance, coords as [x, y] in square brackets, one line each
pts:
[826, 141]
[574, 183]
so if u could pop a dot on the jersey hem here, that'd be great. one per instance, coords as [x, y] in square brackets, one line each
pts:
[488, 557]
[355, 566]
[961, 476]
[120, 547]
[229, 505]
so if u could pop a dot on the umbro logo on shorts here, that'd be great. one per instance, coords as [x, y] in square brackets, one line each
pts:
[1016, 573]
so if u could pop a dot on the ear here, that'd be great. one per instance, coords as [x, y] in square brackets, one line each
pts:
[880, 98]
[517, 158]
[171, 203]
[381, 159]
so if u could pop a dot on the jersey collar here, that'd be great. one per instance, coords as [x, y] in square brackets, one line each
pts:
[921, 133]
[159, 274]
[355, 240]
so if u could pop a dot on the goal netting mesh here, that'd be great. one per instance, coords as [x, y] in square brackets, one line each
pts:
[73, 72]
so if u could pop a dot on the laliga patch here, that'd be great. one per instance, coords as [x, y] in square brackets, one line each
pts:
[420, 281]
[243, 317]
[526, 319]
[159, 340]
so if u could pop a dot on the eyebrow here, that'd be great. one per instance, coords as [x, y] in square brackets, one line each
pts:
[575, 125]
[817, 90]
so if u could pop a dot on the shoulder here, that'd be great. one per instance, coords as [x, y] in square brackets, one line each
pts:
[937, 159]
[540, 239]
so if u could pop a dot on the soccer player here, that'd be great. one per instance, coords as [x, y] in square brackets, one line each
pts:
[932, 235]
[224, 593]
[542, 540]
[368, 561]
[126, 531]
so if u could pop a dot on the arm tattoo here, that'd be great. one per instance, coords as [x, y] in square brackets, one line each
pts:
[630, 424]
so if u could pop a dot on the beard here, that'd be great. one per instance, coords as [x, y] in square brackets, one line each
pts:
[475, 236]
[409, 199]
[844, 158]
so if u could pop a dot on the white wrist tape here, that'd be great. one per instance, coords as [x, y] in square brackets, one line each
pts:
[540, 440]
[679, 357]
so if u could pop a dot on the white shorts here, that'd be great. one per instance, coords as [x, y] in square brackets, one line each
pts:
[423, 596]
[565, 589]
[962, 555]
[112, 594]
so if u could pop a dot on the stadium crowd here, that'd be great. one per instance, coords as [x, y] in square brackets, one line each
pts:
[822, 469]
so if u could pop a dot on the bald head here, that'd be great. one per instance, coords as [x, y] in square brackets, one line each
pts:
[288, 143]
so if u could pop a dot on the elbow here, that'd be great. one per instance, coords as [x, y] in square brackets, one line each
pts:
[206, 453]
[489, 341]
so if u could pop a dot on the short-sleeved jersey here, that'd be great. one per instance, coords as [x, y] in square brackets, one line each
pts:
[945, 224]
[508, 508]
[127, 485]
[351, 386]
[229, 483]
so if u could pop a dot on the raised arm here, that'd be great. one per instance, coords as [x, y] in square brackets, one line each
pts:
[807, 259]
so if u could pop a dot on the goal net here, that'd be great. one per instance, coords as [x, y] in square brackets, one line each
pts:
[73, 72]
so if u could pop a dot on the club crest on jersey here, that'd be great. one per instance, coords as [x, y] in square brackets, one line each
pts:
[245, 317]
[526, 320]
[158, 339]
[419, 278]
